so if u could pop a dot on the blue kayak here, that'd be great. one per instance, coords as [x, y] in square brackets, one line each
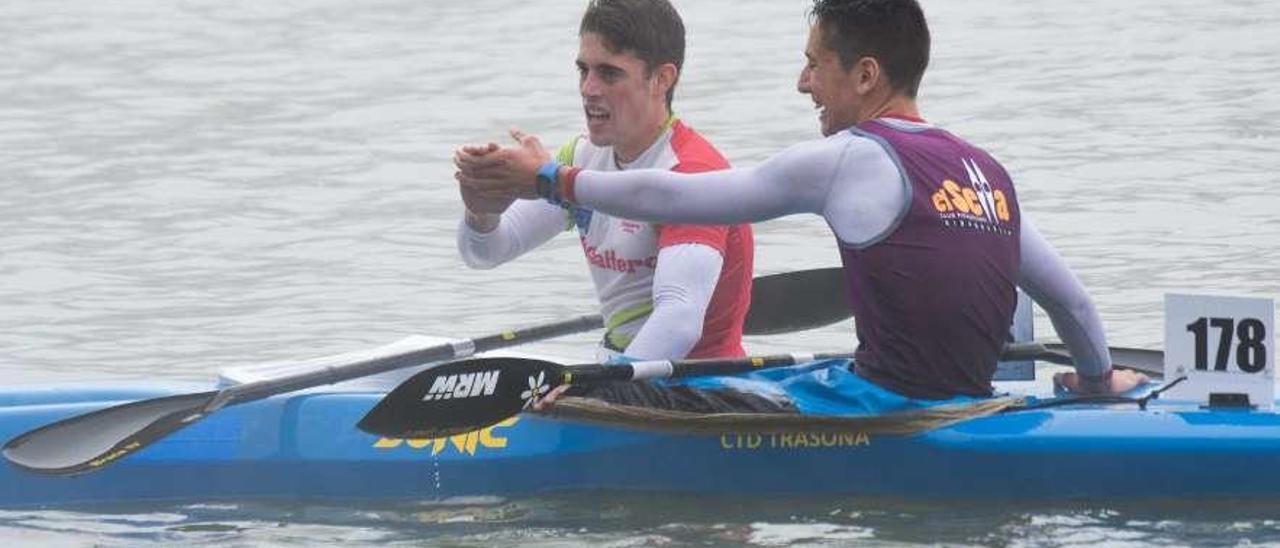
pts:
[305, 446]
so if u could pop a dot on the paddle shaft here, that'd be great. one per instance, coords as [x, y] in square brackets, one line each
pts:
[768, 317]
[670, 369]
[660, 369]
[374, 365]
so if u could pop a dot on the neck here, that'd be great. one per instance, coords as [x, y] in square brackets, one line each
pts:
[625, 153]
[894, 105]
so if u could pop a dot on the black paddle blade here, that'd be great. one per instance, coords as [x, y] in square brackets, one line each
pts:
[86, 442]
[461, 396]
[795, 301]
[1142, 360]
[1150, 362]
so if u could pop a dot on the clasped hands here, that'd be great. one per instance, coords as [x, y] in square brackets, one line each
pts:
[491, 176]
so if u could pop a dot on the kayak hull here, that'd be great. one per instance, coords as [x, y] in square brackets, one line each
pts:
[305, 446]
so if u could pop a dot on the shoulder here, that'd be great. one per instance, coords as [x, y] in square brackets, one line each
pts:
[694, 153]
[859, 145]
[841, 147]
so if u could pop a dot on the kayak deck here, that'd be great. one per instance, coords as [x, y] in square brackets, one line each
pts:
[305, 446]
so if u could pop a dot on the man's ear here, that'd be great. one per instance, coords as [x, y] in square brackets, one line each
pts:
[867, 74]
[664, 78]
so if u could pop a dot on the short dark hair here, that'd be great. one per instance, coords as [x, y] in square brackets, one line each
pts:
[649, 29]
[894, 32]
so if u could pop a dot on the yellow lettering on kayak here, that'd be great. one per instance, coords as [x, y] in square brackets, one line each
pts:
[487, 439]
[466, 444]
[741, 441]
[736, 441]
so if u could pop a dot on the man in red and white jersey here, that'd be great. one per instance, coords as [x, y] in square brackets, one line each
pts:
[666, 290]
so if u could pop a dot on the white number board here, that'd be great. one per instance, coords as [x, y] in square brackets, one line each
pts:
[1222, 345]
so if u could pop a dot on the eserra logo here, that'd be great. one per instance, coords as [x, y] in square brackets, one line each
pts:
[977, 201]
[463, 385]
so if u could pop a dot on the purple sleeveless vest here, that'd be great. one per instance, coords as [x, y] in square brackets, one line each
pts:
[933, 298]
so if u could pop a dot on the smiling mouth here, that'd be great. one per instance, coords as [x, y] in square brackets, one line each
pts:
[597, 114]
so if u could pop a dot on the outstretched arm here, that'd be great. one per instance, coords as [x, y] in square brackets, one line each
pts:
[797, 180]
[783, 185]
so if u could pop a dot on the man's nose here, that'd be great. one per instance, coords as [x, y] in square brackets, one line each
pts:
[590, 85]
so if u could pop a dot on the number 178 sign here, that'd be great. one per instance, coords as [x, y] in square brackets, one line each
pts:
[1222, 345]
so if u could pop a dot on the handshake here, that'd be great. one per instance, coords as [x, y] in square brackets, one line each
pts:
[491, 177]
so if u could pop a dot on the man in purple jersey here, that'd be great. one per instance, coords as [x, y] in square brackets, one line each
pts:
[928, 226]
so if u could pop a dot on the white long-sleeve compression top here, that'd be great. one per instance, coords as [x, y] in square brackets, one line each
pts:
[854, 185]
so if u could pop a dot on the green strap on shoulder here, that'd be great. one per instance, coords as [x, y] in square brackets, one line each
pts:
[565, 154]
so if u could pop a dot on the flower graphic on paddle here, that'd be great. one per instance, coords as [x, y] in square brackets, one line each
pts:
[537, 388]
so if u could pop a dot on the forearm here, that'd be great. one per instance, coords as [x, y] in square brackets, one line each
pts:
[524, 226]
[683, 283]
[797, 180]
[718, 197]
[1048, 280]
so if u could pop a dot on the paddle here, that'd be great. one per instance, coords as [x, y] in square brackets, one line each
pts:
[87, 442]
[1150, 362]
[821, 292]
[463, 396]
[468, 395]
